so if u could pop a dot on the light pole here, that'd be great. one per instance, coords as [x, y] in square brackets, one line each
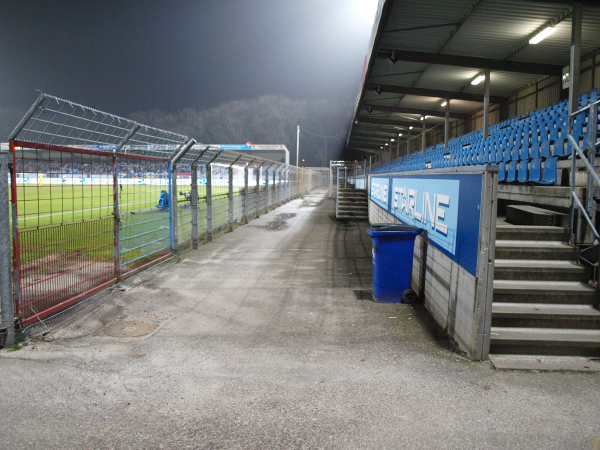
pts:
[297, 146]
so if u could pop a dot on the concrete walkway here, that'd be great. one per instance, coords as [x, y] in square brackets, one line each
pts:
[266, 338]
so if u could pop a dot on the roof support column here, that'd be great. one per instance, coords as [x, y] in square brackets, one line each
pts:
[408, 143]
[423, 137]
[447, 124]
[576, 18]
[486, 104]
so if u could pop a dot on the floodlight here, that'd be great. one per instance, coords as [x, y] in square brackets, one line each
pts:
[386, 143]
[392, 139]
[444, 104]
[392, 58]
[542, 35]
[410, 128]
[399, 134]
[478, 80]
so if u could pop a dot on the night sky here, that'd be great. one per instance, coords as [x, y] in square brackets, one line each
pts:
[130, 56]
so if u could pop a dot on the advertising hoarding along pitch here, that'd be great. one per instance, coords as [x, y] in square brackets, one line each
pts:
[447, 206]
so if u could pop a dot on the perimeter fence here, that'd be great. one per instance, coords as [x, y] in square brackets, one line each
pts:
[95, 198]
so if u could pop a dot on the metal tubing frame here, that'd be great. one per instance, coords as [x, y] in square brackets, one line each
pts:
[194, 205]
[209, 218]
[6, 292]
[486, 104]
[258, 190]
[230, 197]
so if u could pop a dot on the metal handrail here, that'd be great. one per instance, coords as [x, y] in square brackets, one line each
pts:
[588, 212]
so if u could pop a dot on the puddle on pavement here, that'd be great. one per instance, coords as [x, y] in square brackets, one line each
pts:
[311, 203]
[280, 222]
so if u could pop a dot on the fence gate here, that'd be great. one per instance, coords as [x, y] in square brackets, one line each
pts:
[63, 227]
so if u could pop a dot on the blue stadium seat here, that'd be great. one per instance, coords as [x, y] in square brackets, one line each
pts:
[522, 171]
[535, 170]
[544, 150]
[511, 172]
[550, 171]
[502, 172]
[524, 151]
[514, 153]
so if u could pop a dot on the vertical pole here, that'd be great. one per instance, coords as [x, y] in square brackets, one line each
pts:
[267, 188]
[408, 143]
[397, 148]
[230, 197]
[279, 191]
[209, 211]
[576, 18]
[486, 104]
[117, 219]
[592, 135]
[423, 137]
[16, 261]
[259, 168]
[194, 205]
[298, 145]
[447, 124]
[246, 194]
[6, 292]
[370, 162]
[173, 209]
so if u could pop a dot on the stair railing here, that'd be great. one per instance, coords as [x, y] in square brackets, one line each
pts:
[589, 211]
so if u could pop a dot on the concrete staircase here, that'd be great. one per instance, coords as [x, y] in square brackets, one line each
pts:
[544, 314]
[352, 204]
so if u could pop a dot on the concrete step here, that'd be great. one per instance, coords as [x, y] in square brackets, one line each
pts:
[547, 250]
[542, 315]
[351, 217]
[553, 292]
[531, 233]
[528, 269]
[532, 215]
[353, 201]
[542, 362]
[545, 341]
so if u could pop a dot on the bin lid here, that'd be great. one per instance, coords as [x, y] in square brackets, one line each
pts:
[379, 229]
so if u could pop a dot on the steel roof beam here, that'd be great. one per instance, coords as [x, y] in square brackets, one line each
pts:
[473, 62]
[403, 110]
[431, 93]
[390, 122]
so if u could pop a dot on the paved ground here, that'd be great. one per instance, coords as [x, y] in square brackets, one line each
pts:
[266, 339]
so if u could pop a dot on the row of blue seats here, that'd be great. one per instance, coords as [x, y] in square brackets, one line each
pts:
[521, 146]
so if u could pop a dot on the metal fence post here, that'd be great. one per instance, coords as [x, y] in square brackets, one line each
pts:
[16, 261]
[173, 208]
[246, 194]
[194, 205]
[117, 219]
[209, 218]
[267, 188]
[6, 292]
[279, 191]
[230, 197]
[258, 191]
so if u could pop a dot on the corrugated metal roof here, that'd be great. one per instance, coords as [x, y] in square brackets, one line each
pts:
[494, 29]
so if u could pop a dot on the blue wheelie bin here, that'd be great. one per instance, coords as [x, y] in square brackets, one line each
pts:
[393, 247]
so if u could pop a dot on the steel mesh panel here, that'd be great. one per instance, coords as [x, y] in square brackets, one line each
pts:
[144, 232]
[63, 226]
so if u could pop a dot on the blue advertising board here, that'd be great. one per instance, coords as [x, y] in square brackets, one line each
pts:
[361, 183]
[446, 205]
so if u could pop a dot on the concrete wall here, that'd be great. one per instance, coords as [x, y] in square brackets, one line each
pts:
[459, 302]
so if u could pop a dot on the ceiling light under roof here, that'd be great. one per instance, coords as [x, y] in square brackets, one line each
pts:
[386, 143]
[444, 104]
[399, 134]
[410, 128]
[392, 139]
[392, 58]
[478, 80]
[542, 35]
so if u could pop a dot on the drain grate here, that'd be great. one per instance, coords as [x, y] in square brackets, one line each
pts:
[127, 329]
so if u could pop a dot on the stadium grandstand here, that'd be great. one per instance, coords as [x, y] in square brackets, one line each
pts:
[492, 107]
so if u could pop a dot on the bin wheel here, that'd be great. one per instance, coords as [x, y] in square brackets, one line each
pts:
[409, 296]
